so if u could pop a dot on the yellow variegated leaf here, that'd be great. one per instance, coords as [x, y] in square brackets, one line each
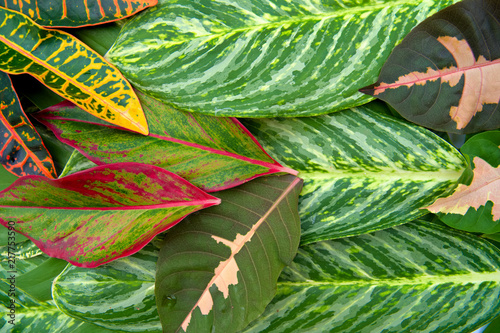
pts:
[69, 68]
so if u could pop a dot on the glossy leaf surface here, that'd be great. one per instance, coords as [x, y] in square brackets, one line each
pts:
[417, 277]
[69, 68]
[212, 153]
[444, 74]
[362, 171]
[218, 269]
[263, 58]
[118, 295]
[77, 13]
[22, 151]
[95, 216]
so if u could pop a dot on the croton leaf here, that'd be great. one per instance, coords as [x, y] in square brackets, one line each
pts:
[22, 151]
[218, 270]
[484, 191]
[253, 58]
[77, 13]
[362, 171]
[417, 277]
[444, 74]
[118, 295]
[70, 69]
[95, 216]
[212, 153]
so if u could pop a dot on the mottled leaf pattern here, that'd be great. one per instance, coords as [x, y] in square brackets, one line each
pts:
[77, 13]
[254, 58]
[444, 74]
[418, 277]
[70, 69]
[218, 269]
[95, 216]
[212, 153]
[22, 151]
[118, 295]
[362, 171]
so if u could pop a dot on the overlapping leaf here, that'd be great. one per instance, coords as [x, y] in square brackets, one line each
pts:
[212, 153]
[264, 58]
[444, 74]
[417, 277]
[69, 68]
[118, 295]
[77, 13]
[218, 269]
[22, 151]
[362, 171]
[94, 216]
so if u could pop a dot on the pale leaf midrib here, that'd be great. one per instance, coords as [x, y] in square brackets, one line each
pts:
[385, 174]
[299, 19]
[472, 277]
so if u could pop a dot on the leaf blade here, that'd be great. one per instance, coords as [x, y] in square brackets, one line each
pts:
[22, 150]
[71, 228]
[70, 69]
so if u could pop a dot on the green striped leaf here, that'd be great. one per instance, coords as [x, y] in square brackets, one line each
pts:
[444, 74]
[253, 58]
[69, 68]
[118, 295]
[212, 153]
[218, 269]
[77, 13]
[362, 171]
[95, 216]
[22, 151]
[418, 277]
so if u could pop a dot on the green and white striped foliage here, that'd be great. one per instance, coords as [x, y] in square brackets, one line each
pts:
[116, 296]
[417, 277]
[253, 58]
[362, 171]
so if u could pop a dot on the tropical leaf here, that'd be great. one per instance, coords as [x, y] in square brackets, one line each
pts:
[118, 295]
[362, 171]
[483, 192]
[253, 58]
[65, 217]
[22, 151]
[444, 74]
[77, 13]
[218, 270]
[417, 277]
[69, 68]
[212, 153]
[77, 162]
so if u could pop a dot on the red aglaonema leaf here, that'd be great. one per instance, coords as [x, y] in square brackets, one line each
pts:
[485, 187]
[444, 74]
[77, 13]
[22, 151]
[213, 153]
[101, 214]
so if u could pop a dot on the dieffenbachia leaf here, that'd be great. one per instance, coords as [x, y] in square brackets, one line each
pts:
[253, 58]
[22, 151]
[118, 295]
[417, 277]
[362, 171]
[444, 74]
[95, 216]
[69, 68]
[32, 315]
[77, 13]
[484, 191]
[218, 269]
[212, 153]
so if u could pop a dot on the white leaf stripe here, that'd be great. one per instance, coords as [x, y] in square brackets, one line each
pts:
[410, 287]
[362, 171]
[255, 58]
